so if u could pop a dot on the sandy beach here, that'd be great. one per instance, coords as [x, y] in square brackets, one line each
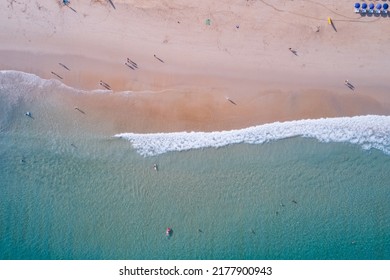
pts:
[202, 65]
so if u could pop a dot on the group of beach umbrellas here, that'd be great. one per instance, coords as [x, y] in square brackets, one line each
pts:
[371, 6]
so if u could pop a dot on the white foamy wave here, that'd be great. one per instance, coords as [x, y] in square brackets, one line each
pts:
[10, 79]
[12, 76]
[370, 132]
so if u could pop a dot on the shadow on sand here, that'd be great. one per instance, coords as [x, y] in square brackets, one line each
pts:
[334, 27]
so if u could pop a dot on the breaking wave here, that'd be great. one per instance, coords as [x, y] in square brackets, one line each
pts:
[369, 132]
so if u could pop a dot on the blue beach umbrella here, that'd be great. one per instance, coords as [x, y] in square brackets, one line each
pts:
[379, 6]
[371, 6]
[364, 6]
[385, 6]
[357, 5]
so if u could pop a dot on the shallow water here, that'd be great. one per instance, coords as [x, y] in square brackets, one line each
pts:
[295, 198]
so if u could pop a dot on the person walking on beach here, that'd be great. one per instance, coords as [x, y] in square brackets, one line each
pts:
[348, 84]
[131, 64]
[155, 56]
[293, 51]
[103, 84]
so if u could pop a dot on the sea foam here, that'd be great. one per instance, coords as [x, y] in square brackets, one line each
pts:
[370, 132]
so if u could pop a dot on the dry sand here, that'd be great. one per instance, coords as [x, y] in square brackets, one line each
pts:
[203, 64]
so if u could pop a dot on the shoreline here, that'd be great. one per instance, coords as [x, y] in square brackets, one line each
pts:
[202, 67]
[182, 109]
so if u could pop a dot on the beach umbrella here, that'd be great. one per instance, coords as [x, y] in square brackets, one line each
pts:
[385, 6]
[357, 5]
[364, 6]
[371, 6]
[379, 6]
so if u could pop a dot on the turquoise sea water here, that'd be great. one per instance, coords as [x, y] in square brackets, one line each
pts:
[294, 198]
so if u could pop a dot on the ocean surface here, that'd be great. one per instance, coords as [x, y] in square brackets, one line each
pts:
[314, 189]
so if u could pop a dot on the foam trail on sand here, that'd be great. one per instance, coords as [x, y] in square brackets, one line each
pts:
[9, 78]
[370, 132]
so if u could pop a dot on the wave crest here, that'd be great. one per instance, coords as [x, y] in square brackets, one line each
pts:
[370, 132]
